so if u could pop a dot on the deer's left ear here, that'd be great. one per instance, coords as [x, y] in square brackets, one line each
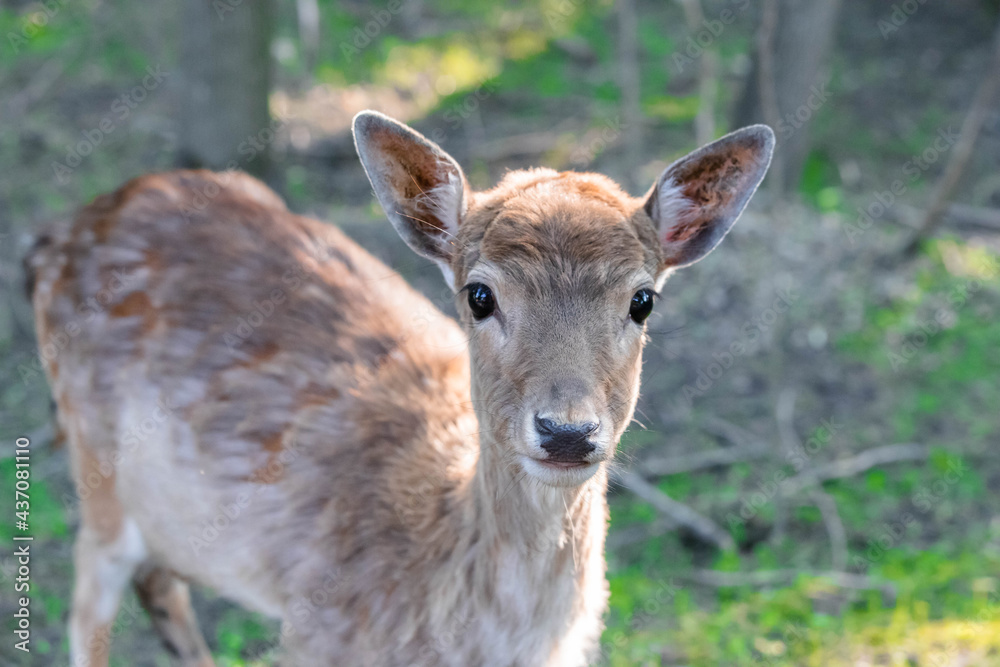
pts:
[697, 199]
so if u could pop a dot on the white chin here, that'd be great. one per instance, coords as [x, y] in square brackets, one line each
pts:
[558, 476]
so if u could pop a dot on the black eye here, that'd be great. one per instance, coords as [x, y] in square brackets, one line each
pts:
[642, 305]
[481, 301]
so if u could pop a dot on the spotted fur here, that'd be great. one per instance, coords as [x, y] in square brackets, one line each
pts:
[255, 403]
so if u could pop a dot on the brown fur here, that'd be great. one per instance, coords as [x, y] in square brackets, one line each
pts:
[255, 403]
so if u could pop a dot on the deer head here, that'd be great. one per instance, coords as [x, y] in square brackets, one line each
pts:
[554, 276]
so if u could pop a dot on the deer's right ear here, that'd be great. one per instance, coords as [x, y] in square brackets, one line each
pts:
[422, 188]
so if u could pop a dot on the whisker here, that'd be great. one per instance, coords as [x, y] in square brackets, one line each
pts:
[665, 332]
[430, 224]
[416, 184]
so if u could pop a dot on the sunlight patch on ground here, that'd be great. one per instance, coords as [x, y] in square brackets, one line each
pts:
[966, 260]
[412, 81]
[944, 643]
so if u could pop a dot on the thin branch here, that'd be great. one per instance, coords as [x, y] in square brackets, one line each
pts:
[854, 465]
[628, 82]
[962, 153]
[48, 75]
[704, 122]
[745, 447]
[784, 413]
[767, 86]
[672, 465]
[784, 416]
[307, 12]
[737, 435]
[623, 537]
[534, 143]
[703, 527]
[834, 527]
[964, 215]
[956, 215]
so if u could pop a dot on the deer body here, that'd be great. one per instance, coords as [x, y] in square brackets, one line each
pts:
[255, 403]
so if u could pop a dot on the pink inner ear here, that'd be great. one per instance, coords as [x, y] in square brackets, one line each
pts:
[683, 216]
[414, 170]
[684, 231]
[426, 189]
[700, 192]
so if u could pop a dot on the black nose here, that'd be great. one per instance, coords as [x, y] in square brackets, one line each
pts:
[565, 442]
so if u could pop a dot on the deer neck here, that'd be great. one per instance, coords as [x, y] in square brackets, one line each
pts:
[515, 511]
[539, 561]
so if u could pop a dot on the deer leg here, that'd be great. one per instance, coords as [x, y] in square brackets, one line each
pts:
[103, 570]
[167, 600]
[108, 549]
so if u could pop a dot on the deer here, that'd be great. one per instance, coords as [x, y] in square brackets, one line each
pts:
[254, 403]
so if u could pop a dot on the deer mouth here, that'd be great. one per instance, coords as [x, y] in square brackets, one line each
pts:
[563, 465]
[556, 472]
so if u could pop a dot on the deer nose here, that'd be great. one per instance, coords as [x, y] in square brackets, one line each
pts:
[565, 442]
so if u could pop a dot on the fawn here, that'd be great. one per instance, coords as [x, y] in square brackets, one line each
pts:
[254, 403]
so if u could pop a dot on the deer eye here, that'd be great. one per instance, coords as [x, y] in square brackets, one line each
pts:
[642, 305]
[481, 301]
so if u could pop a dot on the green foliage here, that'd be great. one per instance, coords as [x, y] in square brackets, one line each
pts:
[941, 371]
[243, 639]
[46, 516]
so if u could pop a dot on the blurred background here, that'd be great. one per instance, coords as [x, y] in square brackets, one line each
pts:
[813, 476]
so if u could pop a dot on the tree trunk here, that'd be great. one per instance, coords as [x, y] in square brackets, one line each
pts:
[787, 83]
[629, 83]
[225, 70]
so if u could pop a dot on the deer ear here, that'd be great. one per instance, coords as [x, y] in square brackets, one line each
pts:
[421, 188]
[697, 199]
